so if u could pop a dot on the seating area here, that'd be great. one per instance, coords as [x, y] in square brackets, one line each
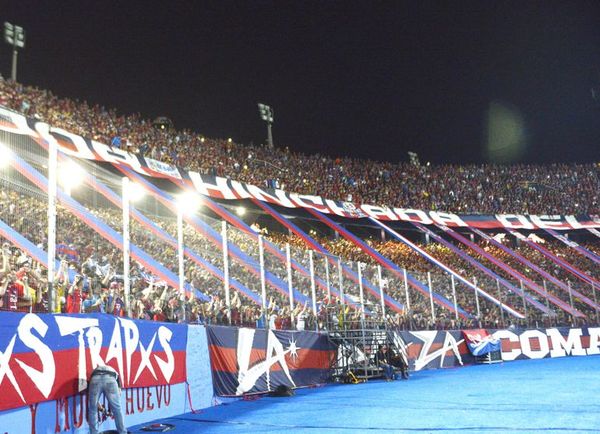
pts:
[90, 272]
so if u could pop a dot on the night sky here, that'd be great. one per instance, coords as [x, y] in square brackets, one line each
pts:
[369, 79]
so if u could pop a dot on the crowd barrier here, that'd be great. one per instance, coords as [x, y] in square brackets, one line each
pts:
[170, 369]
[45, 361]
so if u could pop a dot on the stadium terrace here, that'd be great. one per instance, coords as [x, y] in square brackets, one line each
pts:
[198, 273]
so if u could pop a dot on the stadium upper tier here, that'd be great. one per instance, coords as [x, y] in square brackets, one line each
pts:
[523, 189]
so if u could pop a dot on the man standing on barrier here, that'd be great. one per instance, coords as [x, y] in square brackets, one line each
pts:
[105, 380]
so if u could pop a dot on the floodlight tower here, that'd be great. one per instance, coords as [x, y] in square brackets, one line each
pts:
[15, 36]
[267, 115]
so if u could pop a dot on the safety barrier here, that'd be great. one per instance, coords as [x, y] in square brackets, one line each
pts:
[170, 369]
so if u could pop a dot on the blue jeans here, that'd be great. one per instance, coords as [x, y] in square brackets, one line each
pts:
[388, 371]
[106, 384]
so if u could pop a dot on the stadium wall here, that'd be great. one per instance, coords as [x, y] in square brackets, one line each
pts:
[434, 349]
[171, 369]
[46, 359]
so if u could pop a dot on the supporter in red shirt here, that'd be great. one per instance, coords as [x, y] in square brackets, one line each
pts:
[159, 315]
[236, 318]
[75, 296]
[279, 322]
[14, 294]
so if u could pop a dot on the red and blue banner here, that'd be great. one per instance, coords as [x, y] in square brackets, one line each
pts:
[47, 357]
[258, 360]
[480, 342]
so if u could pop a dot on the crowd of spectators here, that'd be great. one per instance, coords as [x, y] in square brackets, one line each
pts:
[526, 189]
[89, 276]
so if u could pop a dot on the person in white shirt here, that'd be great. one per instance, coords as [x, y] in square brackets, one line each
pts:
[301, 319]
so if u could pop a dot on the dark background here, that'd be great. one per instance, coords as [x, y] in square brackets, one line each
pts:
[371, 79]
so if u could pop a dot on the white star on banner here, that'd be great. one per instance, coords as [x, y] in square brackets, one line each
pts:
[293, 349]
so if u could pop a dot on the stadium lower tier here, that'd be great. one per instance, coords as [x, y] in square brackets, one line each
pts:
[169, 369]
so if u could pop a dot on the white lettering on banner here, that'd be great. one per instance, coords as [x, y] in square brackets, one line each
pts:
[19, 121]
[379, 212]
[594, 347]
[428, 338]
[570, 346]
[204, 187]
[43, 379]
[167, 367]
[129, 332]
[239, 189]
[94, 339]
[561, 346]
[447, 219]
[308, 201]
[279, 198]
[69, 325]
[117, 156]
[548, 222]
[402, 346]
[80, 150]
[526, 349]
[131, 337]
[593, 223]
[511, 337]
[115, 348]
[247, 377]
[163, 168]
[419, 216]
[5, 367]
[508, 221]
[145, 359]
[17, 124]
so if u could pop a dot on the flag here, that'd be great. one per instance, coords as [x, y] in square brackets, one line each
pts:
[257, 360]
[480, 342]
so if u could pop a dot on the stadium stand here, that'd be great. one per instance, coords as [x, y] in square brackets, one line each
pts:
[90, 279]
[524, 189]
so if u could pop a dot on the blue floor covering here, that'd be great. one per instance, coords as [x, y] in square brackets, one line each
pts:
[548, 395]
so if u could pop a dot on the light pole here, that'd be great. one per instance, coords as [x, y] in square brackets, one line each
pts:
[187, 204]
[52, 191]
[126, 246]
[131, 193]
[267, 115]
[15, 36]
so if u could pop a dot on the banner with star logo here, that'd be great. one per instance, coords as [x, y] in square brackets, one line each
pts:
[256, 360]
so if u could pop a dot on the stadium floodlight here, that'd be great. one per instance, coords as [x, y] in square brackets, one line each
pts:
[70, 175]
[267, 115]
[188, 202]
[15, 36]
[136, 192]
[5, 156]
[240, 210]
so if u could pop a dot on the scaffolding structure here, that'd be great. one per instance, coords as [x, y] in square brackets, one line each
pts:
[358, 342]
